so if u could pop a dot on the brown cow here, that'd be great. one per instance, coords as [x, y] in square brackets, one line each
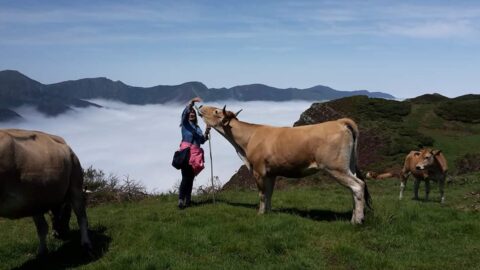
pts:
[426, 164]
[294, 152]
[38, 173]
[381, 176]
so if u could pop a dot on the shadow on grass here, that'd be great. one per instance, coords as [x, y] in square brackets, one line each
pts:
[317, 214]
[313, 214]
[70, 253]
[423, 200]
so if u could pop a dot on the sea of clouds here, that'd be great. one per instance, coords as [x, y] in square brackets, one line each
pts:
[139, 141]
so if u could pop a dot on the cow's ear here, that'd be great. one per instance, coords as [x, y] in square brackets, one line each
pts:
[225, 121]
[436, 152]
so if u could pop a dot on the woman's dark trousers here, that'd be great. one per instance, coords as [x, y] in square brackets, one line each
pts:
[185, 193]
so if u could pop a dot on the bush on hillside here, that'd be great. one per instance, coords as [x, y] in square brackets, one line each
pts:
[468, 163]
[463, 110]
[101, 188]
[428, 99]
[363, 108]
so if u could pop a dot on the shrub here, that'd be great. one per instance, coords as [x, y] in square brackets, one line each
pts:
[101, 188]
[467, 111]
[468, 163]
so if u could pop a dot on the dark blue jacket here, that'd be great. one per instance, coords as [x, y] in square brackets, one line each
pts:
[190, 130]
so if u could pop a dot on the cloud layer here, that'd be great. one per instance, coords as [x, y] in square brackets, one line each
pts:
[139, 141]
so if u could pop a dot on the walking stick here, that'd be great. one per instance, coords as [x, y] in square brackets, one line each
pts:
[211, 165]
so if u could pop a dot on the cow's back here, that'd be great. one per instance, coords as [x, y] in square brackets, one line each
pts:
[297, 148]
[35, 172]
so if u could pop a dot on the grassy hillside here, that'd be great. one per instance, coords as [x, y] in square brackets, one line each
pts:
[309, 229]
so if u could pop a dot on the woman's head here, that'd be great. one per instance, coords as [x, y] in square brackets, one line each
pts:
[192, 116]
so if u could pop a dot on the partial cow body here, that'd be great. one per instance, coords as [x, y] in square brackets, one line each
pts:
[424, 165]
[293, 152]
[38, 173]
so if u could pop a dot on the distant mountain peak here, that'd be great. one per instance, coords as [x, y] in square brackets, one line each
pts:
[14, 75]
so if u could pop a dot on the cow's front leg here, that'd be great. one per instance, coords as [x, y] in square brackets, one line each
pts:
[269, 184]
[261, 192]
[427, 189]
[416, 185]
[261, 207]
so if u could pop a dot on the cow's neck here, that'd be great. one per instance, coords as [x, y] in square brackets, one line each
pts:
[238, 133]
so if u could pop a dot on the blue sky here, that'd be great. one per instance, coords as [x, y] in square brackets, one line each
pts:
[405, 48]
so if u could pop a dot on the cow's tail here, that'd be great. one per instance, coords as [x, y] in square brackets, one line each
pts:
[352, 126]
[76, 176]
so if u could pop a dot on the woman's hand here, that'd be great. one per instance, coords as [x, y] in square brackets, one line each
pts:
[195, 99]
[207, 133]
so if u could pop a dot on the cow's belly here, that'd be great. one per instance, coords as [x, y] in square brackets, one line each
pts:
[297, 171]
[32, 194]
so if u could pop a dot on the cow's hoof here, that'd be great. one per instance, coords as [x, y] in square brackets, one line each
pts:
[42, 253]
[88, 249]
[357, 222]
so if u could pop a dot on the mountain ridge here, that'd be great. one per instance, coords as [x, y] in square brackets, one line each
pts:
[17, 89]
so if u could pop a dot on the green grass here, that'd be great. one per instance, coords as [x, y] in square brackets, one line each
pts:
[309, 229]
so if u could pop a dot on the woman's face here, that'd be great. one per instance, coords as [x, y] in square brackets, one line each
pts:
[192, 116]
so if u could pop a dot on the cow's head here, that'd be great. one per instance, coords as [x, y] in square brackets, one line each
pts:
[215, 117]
[427, 158]
[371, 175]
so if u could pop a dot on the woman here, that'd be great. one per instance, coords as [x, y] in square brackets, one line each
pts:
[192, 137]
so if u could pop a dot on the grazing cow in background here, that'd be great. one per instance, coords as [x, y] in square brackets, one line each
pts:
[426, 164]
[294, 152]
[40, 173]
[381, 176]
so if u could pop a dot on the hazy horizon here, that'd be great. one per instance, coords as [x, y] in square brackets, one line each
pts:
[139, 140]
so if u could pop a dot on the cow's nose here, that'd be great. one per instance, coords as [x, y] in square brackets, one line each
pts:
[418, 168]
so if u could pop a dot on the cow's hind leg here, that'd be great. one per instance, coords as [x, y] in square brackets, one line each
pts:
[60, 220]
[441, 186]
[78, 205]
[42, 231]
[77, 200]
[357, 187]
